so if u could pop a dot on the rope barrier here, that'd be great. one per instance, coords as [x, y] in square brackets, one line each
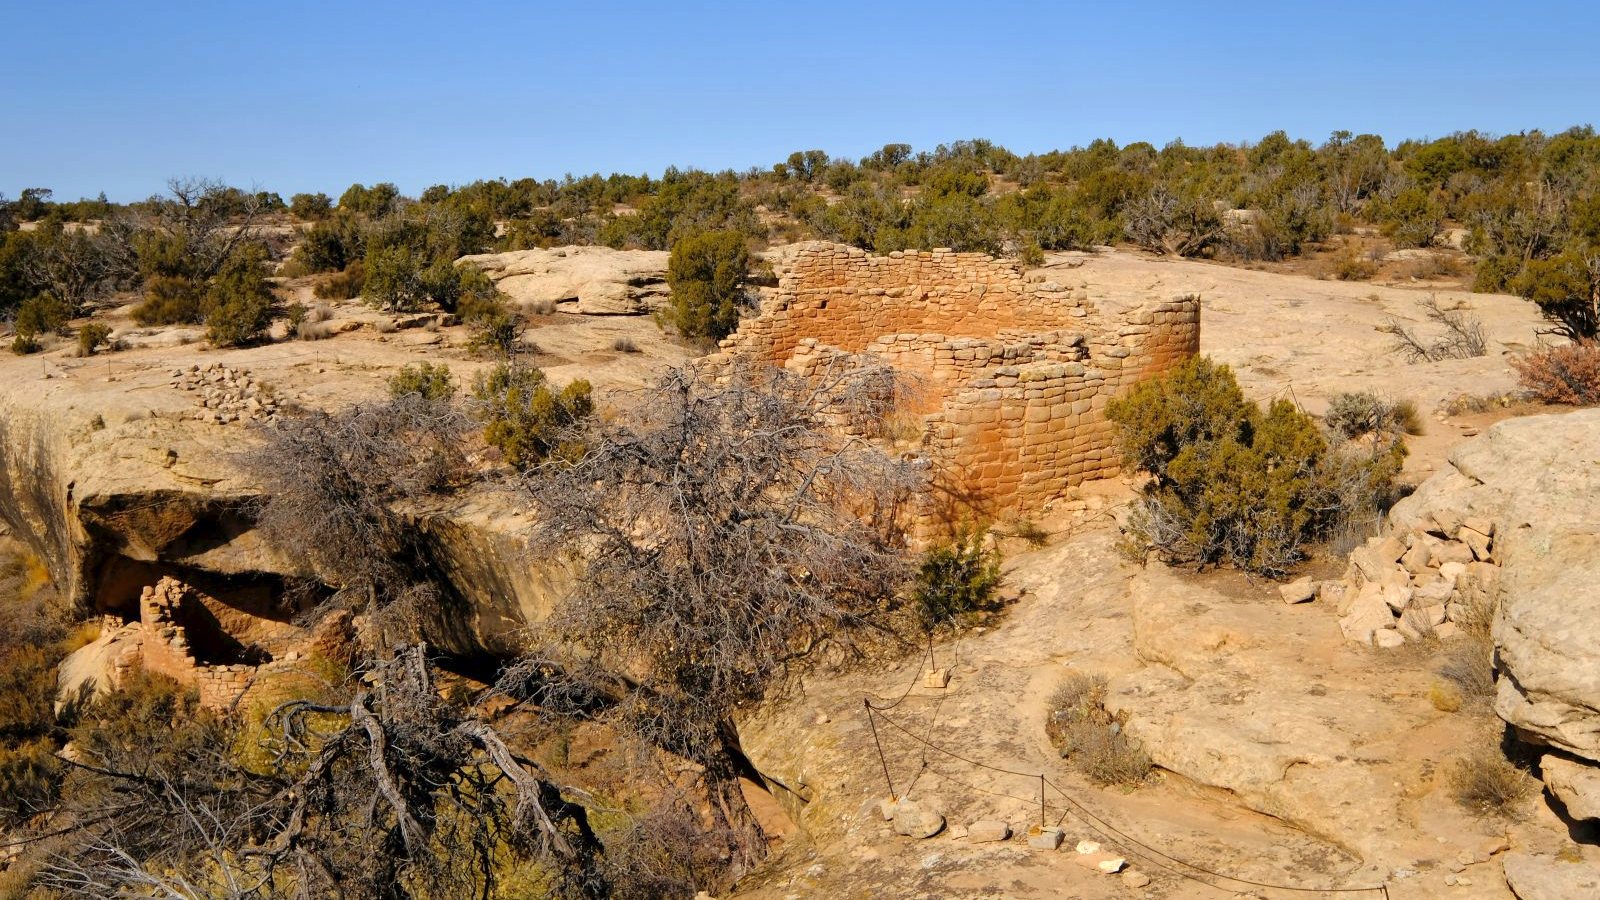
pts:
[1100, 826]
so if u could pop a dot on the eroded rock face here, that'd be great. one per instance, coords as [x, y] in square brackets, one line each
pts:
[1576, 785]
[115, 492]
[1542, 878]
[1536, 481]
[1216, 704]
[595, 281]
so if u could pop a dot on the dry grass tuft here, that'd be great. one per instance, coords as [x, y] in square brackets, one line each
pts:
[1468, 663]
[313, 331]
[1445, 696]
[1489, 784]
[1092, 739]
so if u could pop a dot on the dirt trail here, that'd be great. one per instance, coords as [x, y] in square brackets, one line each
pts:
[1074, 613]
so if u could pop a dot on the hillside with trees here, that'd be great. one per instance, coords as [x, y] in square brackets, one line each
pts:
[1525, 208]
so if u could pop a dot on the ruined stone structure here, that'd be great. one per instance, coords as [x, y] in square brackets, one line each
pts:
[1011, 373]
[199, 642]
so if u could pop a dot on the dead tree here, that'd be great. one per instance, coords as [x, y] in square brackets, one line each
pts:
[335, 492]
[208, 219]
[732, 533]
[1461, 335]
[385, 791]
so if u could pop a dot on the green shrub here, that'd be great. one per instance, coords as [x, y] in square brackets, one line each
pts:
[30, 777]
[1567, 291]
[27, 691]
[1351, 266]
[1412, 218]
[310, 207]
[372, 202]
[1494, 273]
[1232, 483]
[957, 578]
[430, 381]
[29, 770]
[170, 300]
[38, 315]
[92, 337]
[239, 303]
[331, 245]
[1353, 414]
[345, 285]
[495, 327]
[401, 277]
[526, 419]
[707, 273]
[956, 220]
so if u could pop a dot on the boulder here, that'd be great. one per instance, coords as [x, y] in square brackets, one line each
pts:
[1576, 785]
[1446, 552]
[1101, 861]
[1391, 548]
[1476, 542]
[1300, 590]
[1369, 613]
[986, 831]
[1417, 558]
[1445, 521]
[1334, 593]
[1436, 591]
[1397, 596]
[1543, 878]
[596, 281]
[917, 820]
[1368, 563]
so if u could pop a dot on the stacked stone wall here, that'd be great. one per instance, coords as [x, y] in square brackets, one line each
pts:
[1009, 374]
[159, 642]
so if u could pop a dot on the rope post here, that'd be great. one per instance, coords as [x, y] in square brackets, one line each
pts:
[876, 743]
[1041, 801]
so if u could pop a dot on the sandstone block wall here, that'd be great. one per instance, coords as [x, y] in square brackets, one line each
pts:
[1010, 374]
[160, 642]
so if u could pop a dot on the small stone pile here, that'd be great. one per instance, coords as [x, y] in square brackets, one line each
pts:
[1406, 585]
[227, 395]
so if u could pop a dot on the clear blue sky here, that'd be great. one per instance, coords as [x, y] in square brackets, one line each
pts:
[296, 96]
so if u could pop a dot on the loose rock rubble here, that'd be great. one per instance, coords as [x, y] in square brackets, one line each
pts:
[1429, 580]
[1091, 856]
[227, 395]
